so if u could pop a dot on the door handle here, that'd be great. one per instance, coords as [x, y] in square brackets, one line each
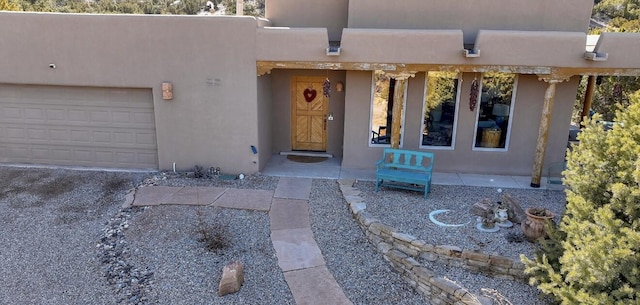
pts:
[325, 124]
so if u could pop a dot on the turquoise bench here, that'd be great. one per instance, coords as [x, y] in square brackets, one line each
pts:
[405, 169]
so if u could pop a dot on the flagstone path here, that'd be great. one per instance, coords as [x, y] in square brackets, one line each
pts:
[299, 256]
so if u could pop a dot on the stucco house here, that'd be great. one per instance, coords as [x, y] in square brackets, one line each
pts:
[488, 86]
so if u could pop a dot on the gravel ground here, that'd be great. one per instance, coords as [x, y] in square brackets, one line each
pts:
[363, 274]
[365, 277]
[67, 240]
[50, 222]
[408, 212]
[164, 239]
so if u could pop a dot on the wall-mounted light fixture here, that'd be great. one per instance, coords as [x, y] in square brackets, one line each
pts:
[339, 86]
[167, 91]
[52, 65]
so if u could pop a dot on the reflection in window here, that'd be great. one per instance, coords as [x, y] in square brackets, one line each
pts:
[496, 101]
[382, 108]
[440, 109]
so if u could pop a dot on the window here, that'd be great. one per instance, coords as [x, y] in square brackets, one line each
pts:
[440, 109]
[494, 112]
[382, 108]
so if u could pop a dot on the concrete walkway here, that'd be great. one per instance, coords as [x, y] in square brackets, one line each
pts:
[298, 254]
[331, 169]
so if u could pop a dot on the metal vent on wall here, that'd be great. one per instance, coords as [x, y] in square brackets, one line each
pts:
[471, 52]
[596, 56]
[334, 48]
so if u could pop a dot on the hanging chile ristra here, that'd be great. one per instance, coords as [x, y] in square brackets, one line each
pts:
[326, 88]
[473, 95]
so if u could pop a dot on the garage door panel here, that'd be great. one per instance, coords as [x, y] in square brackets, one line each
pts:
[37, 153]
[57, 114]
[144, 120]
[98, 136]
[64, 156]
[12, 112]
[59, 135]
[102, 127]
[105, 156]
[16, 133]
[131, 143]
[145, 138]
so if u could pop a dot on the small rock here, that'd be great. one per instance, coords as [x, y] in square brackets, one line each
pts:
[232, 278]
[482, 208]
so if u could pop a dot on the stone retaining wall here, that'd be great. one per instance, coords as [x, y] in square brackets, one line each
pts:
[402, 250]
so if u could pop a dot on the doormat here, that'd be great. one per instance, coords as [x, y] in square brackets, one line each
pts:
[306, 159]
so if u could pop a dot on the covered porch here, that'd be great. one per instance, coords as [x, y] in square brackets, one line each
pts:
[548, 65]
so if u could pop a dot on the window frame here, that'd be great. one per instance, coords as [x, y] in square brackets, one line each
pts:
[511, 110]
[455, 115]
[402, 119]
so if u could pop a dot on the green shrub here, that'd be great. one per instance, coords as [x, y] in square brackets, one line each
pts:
[594, 255]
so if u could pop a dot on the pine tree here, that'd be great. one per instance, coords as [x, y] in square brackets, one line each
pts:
[594, 256]
[8, 5]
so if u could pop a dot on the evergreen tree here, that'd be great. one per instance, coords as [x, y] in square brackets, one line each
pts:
[8, 5]
[594, 256]
[249, 8]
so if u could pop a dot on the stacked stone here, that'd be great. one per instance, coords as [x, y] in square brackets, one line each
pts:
[132, 284]
[401, 251]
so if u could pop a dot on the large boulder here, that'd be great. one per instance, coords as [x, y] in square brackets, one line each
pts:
[232, 278]
[516, 213]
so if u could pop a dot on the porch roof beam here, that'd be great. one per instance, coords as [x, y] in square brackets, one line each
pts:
[265, 67]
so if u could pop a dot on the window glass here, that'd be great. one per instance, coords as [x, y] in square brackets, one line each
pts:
[382, 104]
[440, 105]
[494, 111]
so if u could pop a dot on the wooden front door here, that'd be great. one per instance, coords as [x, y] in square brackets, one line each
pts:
[308, 114]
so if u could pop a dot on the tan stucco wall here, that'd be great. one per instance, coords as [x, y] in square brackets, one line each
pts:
[265, 121]
[401, 46]
[212, 120]
[540, 15]
[518, 160]
[281, 83]
[330, 14]
[292, 44]
[529, 51]
[531, 48]
[621, 48]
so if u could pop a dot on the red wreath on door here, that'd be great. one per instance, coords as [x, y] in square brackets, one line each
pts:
[309, 94]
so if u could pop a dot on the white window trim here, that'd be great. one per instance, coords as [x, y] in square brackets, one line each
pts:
[404, 107]
[455, 118]
[511, 107]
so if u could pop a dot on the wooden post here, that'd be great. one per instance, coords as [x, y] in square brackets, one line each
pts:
[543, 132]
[588, 97]
[398, 104]
[396, 119]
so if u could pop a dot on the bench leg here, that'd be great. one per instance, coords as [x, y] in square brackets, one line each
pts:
[378, 182]
[427, 189]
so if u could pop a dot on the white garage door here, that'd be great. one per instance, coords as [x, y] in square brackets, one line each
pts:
[77, 126]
